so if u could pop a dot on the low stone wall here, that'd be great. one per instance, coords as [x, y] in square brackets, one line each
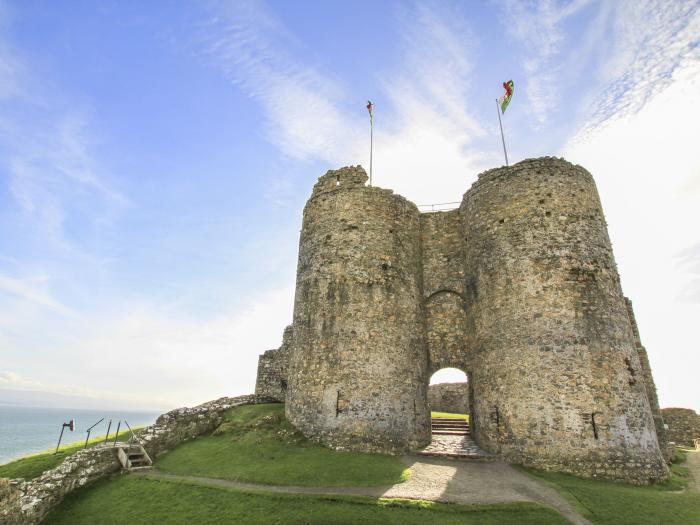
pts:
[28, 502]
[183, 424]
[683, 425]
[449, 397]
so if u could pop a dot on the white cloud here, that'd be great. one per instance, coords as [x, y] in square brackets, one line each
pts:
[255, 51]
[171, 361]
[537, 30]
[651, 39]
[424, 154]
[24, 289]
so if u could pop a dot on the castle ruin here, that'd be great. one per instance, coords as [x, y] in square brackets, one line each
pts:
[517, 287]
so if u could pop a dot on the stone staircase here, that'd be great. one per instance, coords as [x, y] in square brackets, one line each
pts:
[133, 457]
[449, 427]
[452, 439]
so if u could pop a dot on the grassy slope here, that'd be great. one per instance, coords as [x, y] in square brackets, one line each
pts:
[137, 500]
[256, 444]
[30, 467]
[606, 503]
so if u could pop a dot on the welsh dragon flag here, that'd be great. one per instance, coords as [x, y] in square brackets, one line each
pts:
[504, 100]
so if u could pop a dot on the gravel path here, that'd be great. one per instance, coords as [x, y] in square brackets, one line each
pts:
[693, 463]
[434, 479]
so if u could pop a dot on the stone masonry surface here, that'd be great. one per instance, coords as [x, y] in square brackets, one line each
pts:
[683, 425]
[28, 502]
[518, 287]
[272, 370]
[449, 397]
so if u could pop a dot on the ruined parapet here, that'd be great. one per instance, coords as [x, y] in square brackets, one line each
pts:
[683, 426]
[358, 367]
[449, 397]
[271, 380]
[554, 368]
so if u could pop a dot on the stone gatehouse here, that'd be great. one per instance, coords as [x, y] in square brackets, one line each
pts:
[517, 287]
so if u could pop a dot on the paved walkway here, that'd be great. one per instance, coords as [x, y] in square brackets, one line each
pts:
[693, 464]
[455, 447]
[434, 479]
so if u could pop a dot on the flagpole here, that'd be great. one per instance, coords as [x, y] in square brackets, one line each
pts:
[498, 110]
[371, 141]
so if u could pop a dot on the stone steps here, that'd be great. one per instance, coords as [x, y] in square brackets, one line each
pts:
[449, 427]
[133, 457]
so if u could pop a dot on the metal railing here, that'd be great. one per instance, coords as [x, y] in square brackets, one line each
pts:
[440, 206]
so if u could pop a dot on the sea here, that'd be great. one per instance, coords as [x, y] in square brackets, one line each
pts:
[26, 430]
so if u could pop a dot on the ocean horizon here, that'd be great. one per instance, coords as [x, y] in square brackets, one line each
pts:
[28, 430]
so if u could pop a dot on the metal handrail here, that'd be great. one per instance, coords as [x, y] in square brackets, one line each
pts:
[90, 429]
[452, 206]
[133, 436]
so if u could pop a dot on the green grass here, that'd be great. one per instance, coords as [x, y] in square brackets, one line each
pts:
[30, 467]
[256, 444]
[607, 503]
[138, 500]
[450, 415]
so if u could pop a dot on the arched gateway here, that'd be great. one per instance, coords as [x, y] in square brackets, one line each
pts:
[518, 286]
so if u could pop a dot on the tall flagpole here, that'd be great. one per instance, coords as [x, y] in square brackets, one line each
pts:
[371, 143]
[498, 110]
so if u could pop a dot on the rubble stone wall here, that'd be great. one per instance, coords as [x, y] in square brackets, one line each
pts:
[271, 381]
[650, 386]
[28, 502]
[517, 287]
[358, 367]
[683, 425]
[449, 397]
[556, 375]
[442, 258]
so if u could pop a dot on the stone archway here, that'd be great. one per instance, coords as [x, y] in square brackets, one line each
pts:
[446, 329]
[448, 391]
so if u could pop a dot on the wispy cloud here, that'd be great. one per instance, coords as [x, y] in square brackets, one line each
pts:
[29, 290]
[46, 142]
[647, 167]
[251, 46]
[425, 97]
[537, 28]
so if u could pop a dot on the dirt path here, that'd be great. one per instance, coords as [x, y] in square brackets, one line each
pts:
[435, 479]
[693, 463]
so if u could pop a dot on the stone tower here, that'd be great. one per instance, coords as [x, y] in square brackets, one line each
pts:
[358, 367]
[517, 287]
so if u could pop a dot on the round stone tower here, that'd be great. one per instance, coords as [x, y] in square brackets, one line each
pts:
[556, 376]
[358, 365]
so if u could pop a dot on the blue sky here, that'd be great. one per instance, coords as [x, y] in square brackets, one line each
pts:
[155, 159]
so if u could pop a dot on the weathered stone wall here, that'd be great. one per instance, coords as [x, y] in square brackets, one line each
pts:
[650, 386]
[28, 502]
[683, 425]
[358, 367]
[556, 376]
[271, 380]
[182, 424]
[449, 397]
[442, 259]
[518, 288]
